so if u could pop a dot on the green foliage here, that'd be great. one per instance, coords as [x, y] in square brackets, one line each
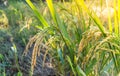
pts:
[3, 20]
[71, 33]
[96, 47]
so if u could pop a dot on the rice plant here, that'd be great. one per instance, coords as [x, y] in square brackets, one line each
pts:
[77, 41]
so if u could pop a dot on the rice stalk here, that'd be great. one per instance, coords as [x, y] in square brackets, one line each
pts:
[109, 17]
[115, 19]
[94, 42]
[119, 15]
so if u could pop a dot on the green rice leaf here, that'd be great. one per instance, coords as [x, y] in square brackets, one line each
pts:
[80, 71]
[115, 18]
[71, 65]
[60, 55]
[119, 15]
[109, 18]
[38, 15]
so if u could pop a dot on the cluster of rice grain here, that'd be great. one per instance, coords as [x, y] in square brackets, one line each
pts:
[39, 70]
[38, 57]
[3, 20]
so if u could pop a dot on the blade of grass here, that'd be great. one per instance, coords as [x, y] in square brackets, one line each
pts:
[119, 15]
[52, 11]
[60, 55]
[114, 58]
[80, 71]
[38, 15]
[109, 18]
[71, 65]
[115, 19]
